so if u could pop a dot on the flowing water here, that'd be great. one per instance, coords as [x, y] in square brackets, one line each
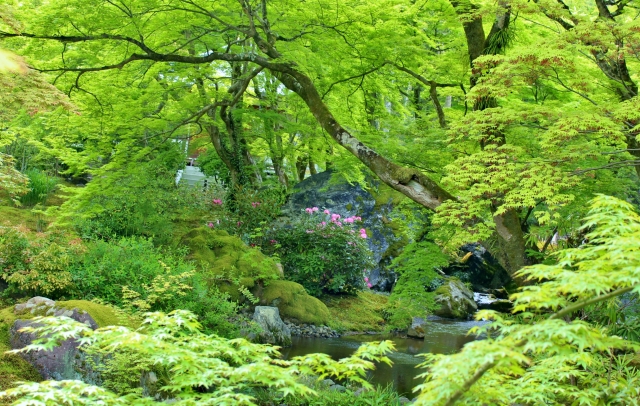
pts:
[443, 337]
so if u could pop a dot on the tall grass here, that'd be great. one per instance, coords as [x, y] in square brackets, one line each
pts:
[40, 186]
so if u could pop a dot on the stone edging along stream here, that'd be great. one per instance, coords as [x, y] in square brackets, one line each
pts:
[310, 330]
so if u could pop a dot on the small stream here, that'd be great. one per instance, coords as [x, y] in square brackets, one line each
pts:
[443, 337]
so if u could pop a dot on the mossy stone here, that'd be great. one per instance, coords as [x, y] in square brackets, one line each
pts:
[14, 368]
[293, 301]
[227, 262]
[455, 300]
[225, 256]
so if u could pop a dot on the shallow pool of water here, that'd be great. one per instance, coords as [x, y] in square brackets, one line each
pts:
[443, 337]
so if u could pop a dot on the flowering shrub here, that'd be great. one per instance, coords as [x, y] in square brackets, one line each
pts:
[322, 251]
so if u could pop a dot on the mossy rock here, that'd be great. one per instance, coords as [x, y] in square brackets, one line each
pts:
[103, 315]
[293, 301]
[14, 368]
[455, 300]
[224, 256]
[363, 312]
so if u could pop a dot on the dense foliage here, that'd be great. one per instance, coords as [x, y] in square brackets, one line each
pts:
[504, 118]
[417, 267]
[189, 359]
[37, 263]
[546, 346]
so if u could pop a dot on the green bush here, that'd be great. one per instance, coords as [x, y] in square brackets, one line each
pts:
[216, 311]
[140, 199]
[37, 263]
[322, 252]
[40, 186]
[133, 262]
[413, 296]
[132, 273]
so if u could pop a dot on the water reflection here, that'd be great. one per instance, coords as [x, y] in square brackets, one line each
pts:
[443, 337]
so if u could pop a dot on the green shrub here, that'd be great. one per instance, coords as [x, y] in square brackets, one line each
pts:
[12, 182]
[133, 262]
[140, 199]
[40, 186]
[216, 311]
[322, 252]
[413, 296]
[37, 263]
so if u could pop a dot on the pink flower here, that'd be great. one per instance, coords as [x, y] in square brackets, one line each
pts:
[326, 211]
[210, 225]
[314, 209]
[239, 223]
[255, 204]
[366, 279]
[273, 241]
[335, 217]
[357, 218]
[217, 201]
[348, 220]
[308, 210]
[369, 285]
[363, 233]
[324, 223]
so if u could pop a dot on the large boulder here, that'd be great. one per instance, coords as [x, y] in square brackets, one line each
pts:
[274, 331]
[455, 300]
[293, 302]
[65, 361]
[376, 210]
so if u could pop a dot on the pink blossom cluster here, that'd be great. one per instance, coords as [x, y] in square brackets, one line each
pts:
[217, 202]
[255, 204]
[369, 285]
[336, 219]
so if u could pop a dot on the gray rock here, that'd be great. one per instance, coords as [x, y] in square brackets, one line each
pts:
[328, 382]
[418, 328]
[39, 300]
[274, 331]
[403, 400]
[455, 300]
[337, 388]
[66, 361]
[35, 304]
